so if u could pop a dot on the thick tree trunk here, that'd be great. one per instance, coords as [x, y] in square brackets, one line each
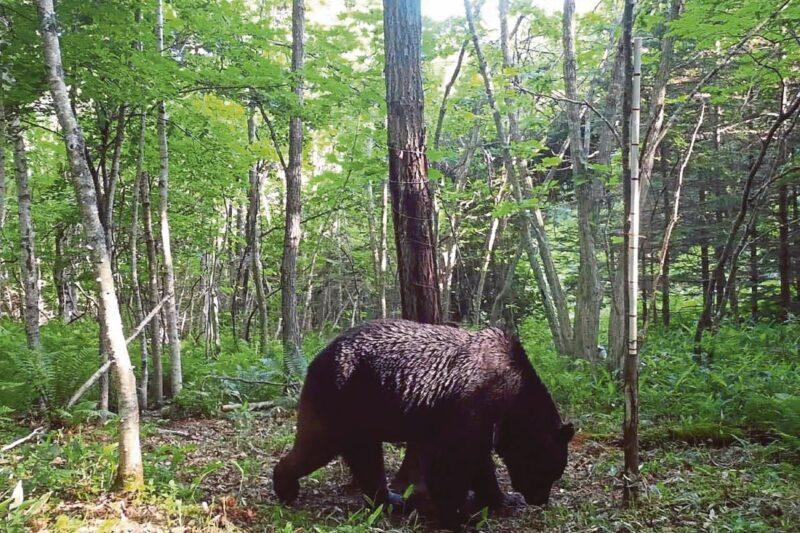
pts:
[294, 363]
[588, 193]
[129, 472]
[138, 306]
[28, 265]
[152, 291]
[171, 307]
[408, 166]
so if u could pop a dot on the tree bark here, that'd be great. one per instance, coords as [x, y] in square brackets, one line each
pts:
[408, 165]
[533, 238]
[671, 219]
[730, 251]
[3, 287]
[588, 192]
[754, 278]
[153, 291]
[28, 265]
[630, 158]
[784, 270]
[508, 282]
[294, 363]
[129, 472]
[61, 276]
[378, 242]
[138, 306]
[255, 239]
[171, 308]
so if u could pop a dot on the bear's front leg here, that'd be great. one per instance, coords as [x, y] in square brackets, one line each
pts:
[487, 489]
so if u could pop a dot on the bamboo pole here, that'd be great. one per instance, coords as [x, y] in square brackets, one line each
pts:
[631, 367]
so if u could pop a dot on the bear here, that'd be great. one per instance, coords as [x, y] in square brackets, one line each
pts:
[454, 395]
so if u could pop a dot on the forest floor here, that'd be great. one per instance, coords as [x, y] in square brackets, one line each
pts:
[214, 474]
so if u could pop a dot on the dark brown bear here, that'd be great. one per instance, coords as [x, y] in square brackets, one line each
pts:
[443, 390]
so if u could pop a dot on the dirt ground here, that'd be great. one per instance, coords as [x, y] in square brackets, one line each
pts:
[227, 464]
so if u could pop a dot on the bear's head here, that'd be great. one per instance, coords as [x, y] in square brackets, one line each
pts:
[535, 458]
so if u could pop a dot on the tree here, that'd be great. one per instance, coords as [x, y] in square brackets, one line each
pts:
[412, 205]
[292, 350]
[129, 472]
[630, 158]
[171, 307]
[29, 268]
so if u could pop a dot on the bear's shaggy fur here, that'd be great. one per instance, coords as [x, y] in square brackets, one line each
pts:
[443, 389]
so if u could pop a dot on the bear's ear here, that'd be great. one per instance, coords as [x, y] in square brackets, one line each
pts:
[567, 431]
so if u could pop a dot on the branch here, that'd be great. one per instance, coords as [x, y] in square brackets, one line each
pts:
[713, 72]
[272, 135]
[147, 319]
[611, 127]
[89, 382]
[250, 406]
[255, 381]
[23, 439]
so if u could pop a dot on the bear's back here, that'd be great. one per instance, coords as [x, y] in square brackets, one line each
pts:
[418, 365]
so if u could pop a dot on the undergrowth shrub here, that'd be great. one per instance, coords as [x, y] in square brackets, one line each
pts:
[749, 387]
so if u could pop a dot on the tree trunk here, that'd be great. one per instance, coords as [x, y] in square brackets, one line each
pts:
[255, 239]
[630, 370]
[28, 266]
[129, 472]
[671, 220]
[754, 278]
[588, 192]
[138, 306]
[408, 165]
[508, 282]
[153, 291]
[61, 277]
[294, 363]
[2, 203]
[729, 254]
[533, 237]
[171, 307]
[784, 269]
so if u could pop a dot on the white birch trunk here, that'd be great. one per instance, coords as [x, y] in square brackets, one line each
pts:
[171, 308]
[138, 306]
[129, 473]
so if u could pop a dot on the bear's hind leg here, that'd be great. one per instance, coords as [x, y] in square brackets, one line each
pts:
[448, 476]
[365, 460]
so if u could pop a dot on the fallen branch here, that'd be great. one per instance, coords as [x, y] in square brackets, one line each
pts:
[173, 432]
[147, 319]
[23, 440]
[255, 381]
[89, 382]
[255, 406]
